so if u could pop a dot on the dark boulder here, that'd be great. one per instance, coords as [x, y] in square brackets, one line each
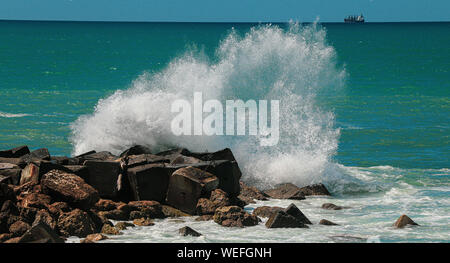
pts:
[34, 171]
[37, 155]
[10, 176]
[227, 172]
[204, 218]
[105, 205]
[249, 193]
[36, 200]
[136, 150]
[403, 221]
[143, 159]
[16, 161]
[69, 188]
[285, 191]
[295, 212]
[76, 223]
[187, 231]
[218, 198]
[282, 219]
[40, 233]
[30, 174]
[266, 211]
[330, 206]
[110, 230]
[92, 238]
[234, 216]
[149, 182]
[115, 214]
[143, 222]
[96, 156]
[187, 185]
[185, 160]
[315, 189]
[174, 153]
[169, 211]
[123, 225]
[19, 228]
[150, 209]
[205, 207]
[43, 216]
[79, 170]
[291, 217]
[327, 223]
[224, 154]
[15, 152]
[103, 176]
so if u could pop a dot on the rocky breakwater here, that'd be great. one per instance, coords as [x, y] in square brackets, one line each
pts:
[46, 198]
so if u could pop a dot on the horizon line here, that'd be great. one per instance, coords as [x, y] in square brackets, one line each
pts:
[211, 22]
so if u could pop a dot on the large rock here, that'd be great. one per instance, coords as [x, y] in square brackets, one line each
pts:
[187, 185]
[291, 217]
[15, 152]
[76, 223]
[224, 154]
[285, 191]
[43, 216]
[330, 206]
[34, 171]
[174, 153]
[187, 231]
[221, 163]
[36, 200]
[136, 150]
[103, 176]
[37, 155]
[69, 188]
[169, 211]
[234, 216]
[249, 193]
[295, 212]
[403, 221]
[16, 161]
[143, 159]
[40, 233]
[110, 230]
[228, 173]
[19, 228]
[6, 193]
[149, 182]
[30, 174]
[266, 211]
[150, 209]
[10, 176]
[92, 238]
[327, 223]
[185, 160]
[282, 219]
[80, 170]
[218, 198]
[96, 156]
[105, 205]
[315, 189]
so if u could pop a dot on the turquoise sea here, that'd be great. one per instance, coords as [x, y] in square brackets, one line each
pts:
[365, 109]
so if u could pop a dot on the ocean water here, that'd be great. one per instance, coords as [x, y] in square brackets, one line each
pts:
[364, 109]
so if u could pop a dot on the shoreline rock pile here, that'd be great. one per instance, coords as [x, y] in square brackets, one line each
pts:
[46, 198]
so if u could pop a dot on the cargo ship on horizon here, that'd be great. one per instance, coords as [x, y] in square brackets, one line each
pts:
[354, 19]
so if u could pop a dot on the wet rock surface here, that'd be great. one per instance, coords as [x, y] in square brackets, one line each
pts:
[404, 221]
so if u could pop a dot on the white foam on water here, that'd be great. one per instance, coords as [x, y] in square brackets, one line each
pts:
[13, 115]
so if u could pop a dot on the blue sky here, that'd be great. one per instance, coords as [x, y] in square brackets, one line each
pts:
[225, 10]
